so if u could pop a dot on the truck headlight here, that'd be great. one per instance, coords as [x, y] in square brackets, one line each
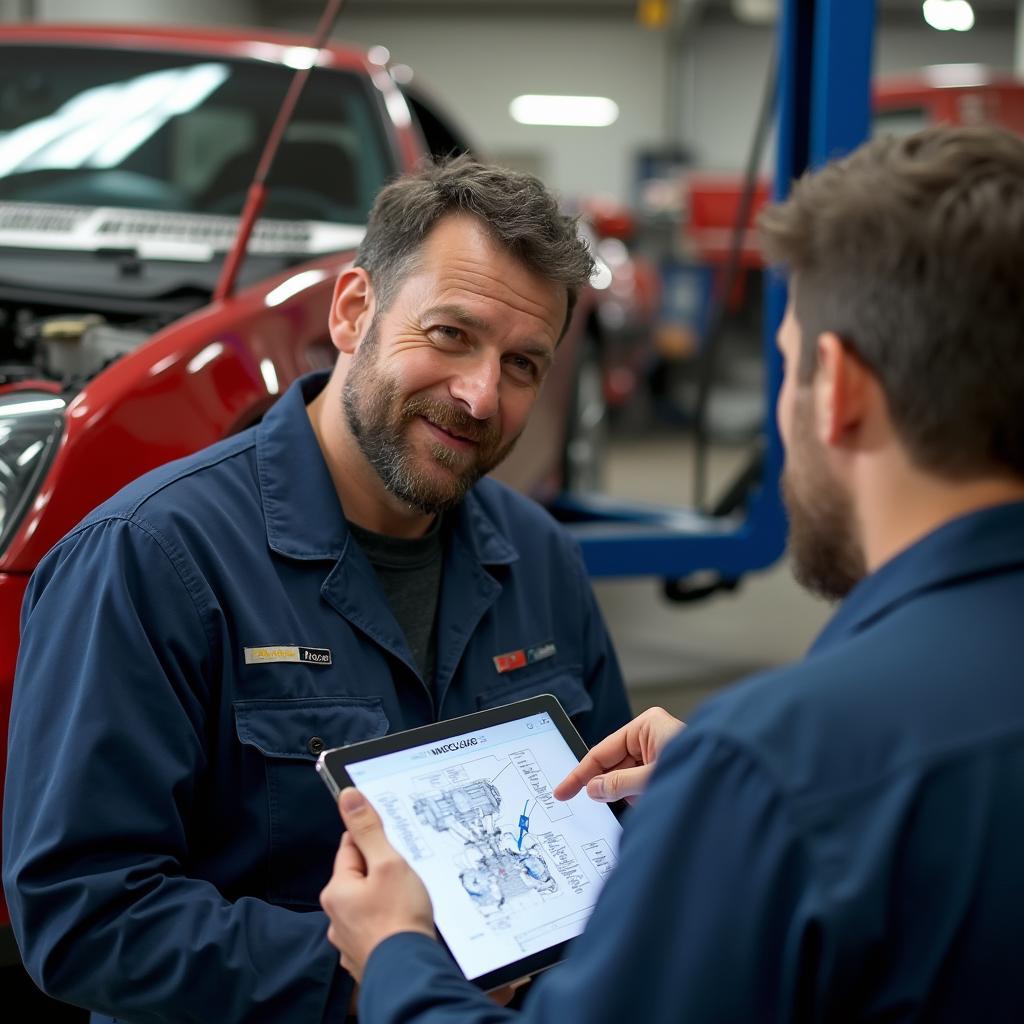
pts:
[31, 423]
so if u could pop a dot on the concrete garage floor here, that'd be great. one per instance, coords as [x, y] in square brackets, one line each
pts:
[676, 655]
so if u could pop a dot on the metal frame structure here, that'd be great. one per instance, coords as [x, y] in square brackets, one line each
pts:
[824, 109]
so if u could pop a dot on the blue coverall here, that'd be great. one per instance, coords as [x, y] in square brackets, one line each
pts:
[165, 833]
[841, 840]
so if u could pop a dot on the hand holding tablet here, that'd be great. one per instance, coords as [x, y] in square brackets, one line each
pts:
[381, 895]
[513, 874]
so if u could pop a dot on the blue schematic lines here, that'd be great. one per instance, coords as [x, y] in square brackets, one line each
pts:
[524, 825]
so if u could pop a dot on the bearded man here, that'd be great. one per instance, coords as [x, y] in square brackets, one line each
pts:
[340, 571]
[841, 839]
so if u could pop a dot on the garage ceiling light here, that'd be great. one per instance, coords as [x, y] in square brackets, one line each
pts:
[566, 111]
[948, 15]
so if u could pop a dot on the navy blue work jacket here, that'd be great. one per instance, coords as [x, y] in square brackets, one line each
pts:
[165, 833]
[842, 840]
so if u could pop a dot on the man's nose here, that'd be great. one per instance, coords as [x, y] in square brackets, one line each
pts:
[476, 386]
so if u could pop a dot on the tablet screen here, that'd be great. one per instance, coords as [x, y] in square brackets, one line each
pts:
[511, 870]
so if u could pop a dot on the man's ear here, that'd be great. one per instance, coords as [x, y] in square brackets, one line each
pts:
[843, 390]
[352, 309]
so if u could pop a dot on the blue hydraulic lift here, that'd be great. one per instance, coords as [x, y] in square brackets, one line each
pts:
[823, 110]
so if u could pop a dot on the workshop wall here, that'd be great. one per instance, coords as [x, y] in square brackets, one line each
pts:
[702, 90]
[725, 66]
[475, 67]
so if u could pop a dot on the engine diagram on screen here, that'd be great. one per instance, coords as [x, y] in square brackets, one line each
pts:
[510, 869]
[500, 862]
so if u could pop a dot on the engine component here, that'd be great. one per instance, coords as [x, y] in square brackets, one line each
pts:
[76, 348]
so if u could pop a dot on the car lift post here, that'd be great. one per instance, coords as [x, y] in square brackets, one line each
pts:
[824, 110]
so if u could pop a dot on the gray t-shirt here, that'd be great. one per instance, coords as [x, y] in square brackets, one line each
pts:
[409, 570]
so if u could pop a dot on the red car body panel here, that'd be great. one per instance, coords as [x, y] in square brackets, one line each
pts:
[131, 417]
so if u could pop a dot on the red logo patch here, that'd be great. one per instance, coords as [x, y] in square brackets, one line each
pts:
[509, 662]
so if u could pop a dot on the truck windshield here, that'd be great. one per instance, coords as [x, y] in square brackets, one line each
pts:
[162, 131]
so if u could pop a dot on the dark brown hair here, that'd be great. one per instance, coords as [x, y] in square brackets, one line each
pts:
[912, 251]
[516, 209]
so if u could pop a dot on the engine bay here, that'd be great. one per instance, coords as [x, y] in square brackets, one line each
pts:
[70, 347]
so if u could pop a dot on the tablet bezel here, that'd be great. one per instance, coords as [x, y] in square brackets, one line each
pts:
[332, 766]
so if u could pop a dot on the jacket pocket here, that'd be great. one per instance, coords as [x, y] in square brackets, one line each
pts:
[566, 684]
[301, 729]
[287, 736]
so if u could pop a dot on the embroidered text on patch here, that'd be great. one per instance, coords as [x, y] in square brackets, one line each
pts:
[285, 652]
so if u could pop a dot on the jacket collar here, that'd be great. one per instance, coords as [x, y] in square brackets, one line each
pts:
[300, 505]
[474, 525]
[303, 515]
[988, 541]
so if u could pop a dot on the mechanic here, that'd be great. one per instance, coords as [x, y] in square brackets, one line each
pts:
[841, 839]
[337, 572]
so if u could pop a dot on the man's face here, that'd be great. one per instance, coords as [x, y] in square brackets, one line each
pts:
[443, 381]
[824, 546]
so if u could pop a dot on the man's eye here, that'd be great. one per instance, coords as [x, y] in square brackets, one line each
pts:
[446, 334]
[523, 369]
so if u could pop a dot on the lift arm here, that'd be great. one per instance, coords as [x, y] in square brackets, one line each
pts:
[824, 110]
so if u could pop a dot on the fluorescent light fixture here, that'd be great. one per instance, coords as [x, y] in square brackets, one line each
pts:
[379, 55]
[948, 15]
[567, 111]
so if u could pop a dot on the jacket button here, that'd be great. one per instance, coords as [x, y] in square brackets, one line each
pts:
[316, 746]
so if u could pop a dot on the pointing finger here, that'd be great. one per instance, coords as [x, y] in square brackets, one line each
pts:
[611, 752]
[619, 785]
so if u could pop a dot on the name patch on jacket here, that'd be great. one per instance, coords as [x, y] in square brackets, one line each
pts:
[520, 659]
[282, 652]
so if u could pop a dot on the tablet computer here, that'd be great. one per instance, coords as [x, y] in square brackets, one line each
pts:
[512, 872]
